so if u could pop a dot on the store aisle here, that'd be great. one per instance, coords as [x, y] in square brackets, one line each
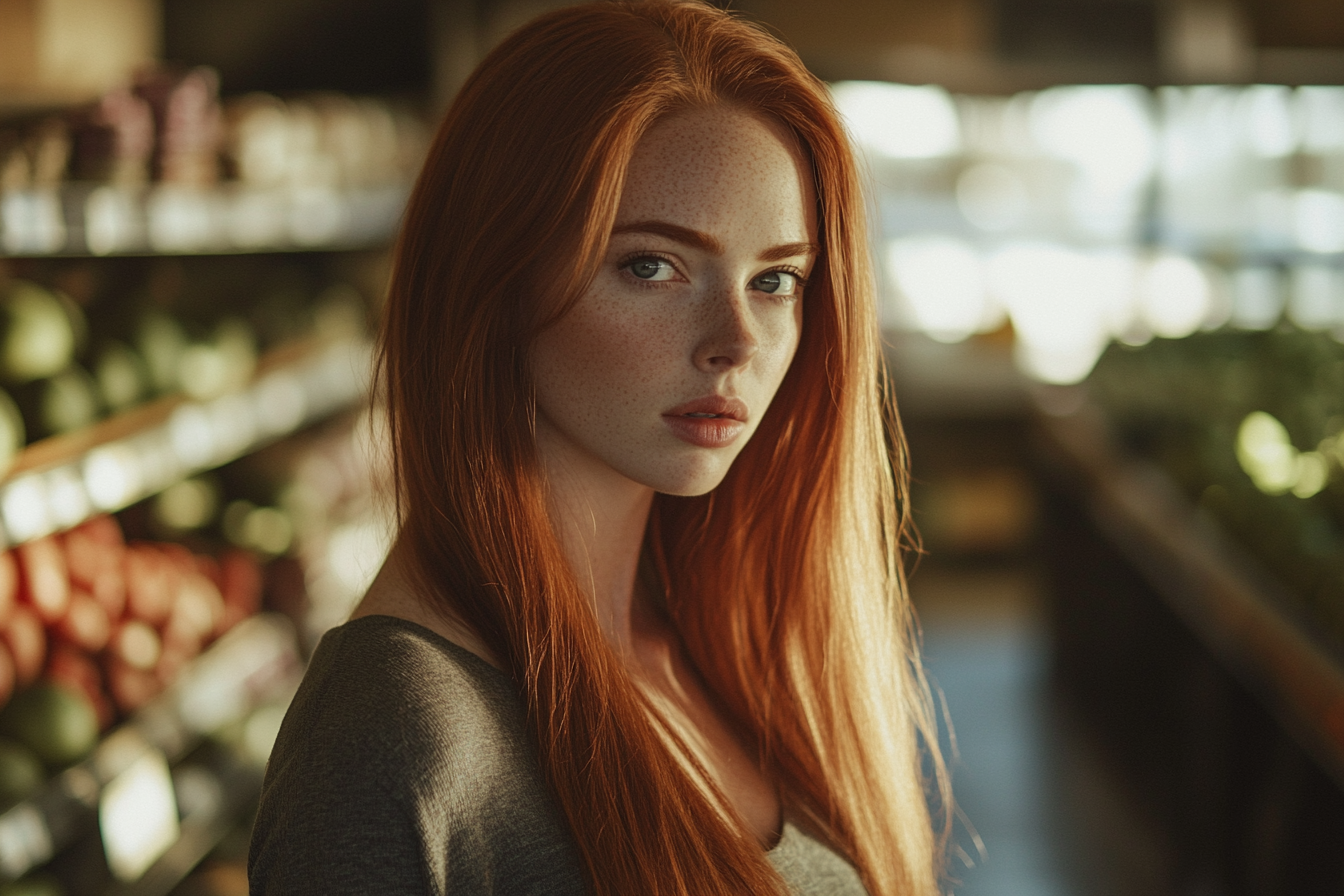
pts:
[1047, 820]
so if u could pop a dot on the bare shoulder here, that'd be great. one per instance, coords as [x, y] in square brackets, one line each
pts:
[395, 592]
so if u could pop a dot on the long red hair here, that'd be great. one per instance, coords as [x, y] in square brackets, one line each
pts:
[785, 582]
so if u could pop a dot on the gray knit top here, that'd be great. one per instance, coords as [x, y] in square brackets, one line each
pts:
[403, 767]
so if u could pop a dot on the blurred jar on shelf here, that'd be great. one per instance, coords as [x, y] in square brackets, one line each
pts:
[162, 164]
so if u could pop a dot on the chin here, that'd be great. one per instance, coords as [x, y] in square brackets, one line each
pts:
[692, 483]
[690, 491]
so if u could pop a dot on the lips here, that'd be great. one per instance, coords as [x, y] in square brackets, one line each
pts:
[711, 406]
[710, 422]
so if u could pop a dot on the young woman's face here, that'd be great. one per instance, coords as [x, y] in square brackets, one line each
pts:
[663, 369]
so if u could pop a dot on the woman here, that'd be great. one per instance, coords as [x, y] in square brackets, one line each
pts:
[644, 629]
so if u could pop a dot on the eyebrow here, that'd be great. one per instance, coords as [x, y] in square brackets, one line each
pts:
[697, 239]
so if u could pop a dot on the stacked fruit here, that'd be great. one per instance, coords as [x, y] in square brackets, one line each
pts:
[91, 628]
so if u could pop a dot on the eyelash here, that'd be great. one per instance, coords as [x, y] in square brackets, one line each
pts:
[625, 264]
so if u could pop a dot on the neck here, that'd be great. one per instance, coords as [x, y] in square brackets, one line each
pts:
[600, 517]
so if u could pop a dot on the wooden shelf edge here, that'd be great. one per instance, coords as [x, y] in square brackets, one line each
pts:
[57, 483]
[1228, 602]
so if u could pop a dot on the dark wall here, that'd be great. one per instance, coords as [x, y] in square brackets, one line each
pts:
[296, 45]
[1316, 24]
[1073, 29]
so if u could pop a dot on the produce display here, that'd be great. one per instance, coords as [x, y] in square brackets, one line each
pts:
[187, 500]
[1250, 425]
[84, 341]
[91, 628]
[101, 621]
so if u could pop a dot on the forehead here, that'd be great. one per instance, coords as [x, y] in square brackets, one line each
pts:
[711, 168]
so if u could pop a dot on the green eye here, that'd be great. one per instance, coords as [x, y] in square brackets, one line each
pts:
[650, 269]
[777, 283]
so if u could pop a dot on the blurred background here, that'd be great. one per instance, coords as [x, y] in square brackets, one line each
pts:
[1110, 239]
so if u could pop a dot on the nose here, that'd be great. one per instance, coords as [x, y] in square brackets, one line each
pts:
[728, 336]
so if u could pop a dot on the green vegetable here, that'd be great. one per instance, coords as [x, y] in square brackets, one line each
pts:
[57, 724]
[21, 772]
[38, 334]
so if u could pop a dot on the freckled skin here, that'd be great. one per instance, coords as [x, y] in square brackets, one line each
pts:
[634, 347]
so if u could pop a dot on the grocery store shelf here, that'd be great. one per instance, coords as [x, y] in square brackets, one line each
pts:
[59, 482]
[252, 666]
[1235, 608]
[82, 219]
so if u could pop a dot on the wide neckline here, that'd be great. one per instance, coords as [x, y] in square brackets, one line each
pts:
[787, 832]
[385, 620]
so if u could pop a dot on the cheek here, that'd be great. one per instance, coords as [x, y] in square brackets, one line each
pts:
[600, 352]
[781, 343]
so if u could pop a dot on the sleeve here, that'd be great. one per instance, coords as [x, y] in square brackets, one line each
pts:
[332, 835]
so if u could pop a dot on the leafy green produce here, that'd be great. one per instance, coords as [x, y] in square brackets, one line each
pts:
[21, 772]
[1251, 426]
[56, 724]
[40, 331]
